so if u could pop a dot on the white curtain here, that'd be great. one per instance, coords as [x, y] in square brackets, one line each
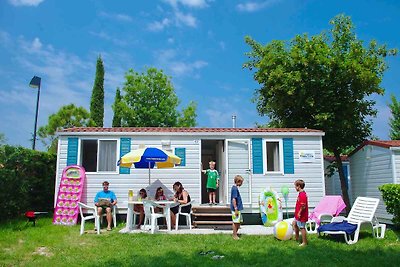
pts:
[273, 156]
[108, 155]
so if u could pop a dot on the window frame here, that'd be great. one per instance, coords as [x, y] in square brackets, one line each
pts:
[116, 171]
[280, 148]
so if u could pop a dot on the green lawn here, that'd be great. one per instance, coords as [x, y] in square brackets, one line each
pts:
[50, 245]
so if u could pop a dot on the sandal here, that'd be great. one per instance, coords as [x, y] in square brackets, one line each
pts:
[108, 228]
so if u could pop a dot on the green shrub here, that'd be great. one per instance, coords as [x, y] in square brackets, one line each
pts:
[26, 180]
[391, 196]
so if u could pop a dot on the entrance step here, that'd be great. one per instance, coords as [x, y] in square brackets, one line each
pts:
[214, 217]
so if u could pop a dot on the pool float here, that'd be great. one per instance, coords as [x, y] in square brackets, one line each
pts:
[270, 207]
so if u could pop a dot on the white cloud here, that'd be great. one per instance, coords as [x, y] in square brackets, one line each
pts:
[222, 45]
[25, 2]
[187, 19]
[105, 36]
[4, 38]
[252, 6]
[220, 113]
[167, 59]
[159, 25]
[118, 17]
[188, 3]
[66, 78]
[36, 44]
[177, 17]
[180, 68]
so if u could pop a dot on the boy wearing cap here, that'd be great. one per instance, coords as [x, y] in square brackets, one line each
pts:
[105, 194]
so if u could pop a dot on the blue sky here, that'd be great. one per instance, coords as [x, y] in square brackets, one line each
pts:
[198, 43]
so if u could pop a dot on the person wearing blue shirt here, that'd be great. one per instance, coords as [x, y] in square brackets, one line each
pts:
[236, 206]
[105, 194]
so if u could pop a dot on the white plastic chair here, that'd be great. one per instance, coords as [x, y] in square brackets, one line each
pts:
[92, 216]
[187, 215]
[362, 212]
[150, 215]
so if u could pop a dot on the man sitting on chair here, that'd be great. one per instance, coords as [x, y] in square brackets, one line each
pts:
[104, 201]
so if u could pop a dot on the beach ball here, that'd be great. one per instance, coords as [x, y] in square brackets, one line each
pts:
[283, 230]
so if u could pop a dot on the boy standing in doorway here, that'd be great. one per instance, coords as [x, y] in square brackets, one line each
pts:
[212, 182]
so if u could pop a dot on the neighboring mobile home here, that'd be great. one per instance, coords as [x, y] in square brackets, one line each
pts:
[265, 157]
[332, 181]
[372, 164]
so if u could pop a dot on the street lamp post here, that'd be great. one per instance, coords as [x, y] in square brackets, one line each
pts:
[35, 83]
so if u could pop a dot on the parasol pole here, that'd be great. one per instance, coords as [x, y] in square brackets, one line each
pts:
[149, 172]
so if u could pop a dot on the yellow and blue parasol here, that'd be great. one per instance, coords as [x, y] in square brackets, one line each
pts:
[149, 157]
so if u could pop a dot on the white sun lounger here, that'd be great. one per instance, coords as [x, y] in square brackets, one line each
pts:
[362, 212]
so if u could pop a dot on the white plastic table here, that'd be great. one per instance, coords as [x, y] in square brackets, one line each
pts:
[167, 209]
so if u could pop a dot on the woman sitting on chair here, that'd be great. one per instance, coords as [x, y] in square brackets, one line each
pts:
[182, 197]
[139, 207]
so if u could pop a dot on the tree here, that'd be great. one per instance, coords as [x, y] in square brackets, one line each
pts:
[322, 82]
[394, 121]
[67, 116]
[97, 99]
[117, 110]
[188, 116]
[149, 100]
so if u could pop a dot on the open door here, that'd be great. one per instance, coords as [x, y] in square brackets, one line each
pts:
[212, 150]
[238, 163]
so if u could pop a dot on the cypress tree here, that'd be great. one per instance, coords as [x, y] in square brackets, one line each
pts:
[117, 114]
[394, 121]
[97, 100]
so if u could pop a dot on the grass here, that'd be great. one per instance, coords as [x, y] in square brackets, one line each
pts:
[50, 245]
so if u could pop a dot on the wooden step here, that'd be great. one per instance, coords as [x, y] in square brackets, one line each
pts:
[212, 209]
[215, 216]
[212, 214]
[212, 222]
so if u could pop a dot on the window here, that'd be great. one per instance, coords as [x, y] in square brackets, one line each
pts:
[99, 155]
[273, 155]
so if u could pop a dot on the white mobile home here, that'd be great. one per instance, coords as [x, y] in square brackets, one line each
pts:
[265, 157]
[372, 164]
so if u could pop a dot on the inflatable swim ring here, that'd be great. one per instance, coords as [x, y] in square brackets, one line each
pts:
[270, 207]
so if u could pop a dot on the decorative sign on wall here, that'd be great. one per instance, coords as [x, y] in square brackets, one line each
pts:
[181, 152]
[307, 155]
[69, 194]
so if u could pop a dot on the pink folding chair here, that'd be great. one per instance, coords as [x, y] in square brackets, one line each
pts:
[327, 208]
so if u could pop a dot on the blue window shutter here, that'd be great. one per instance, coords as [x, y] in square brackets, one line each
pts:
[125, 147]
[72, 151]
[257, 155]
[288, 159]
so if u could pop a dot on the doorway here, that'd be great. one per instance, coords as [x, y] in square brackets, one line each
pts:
[213, 150]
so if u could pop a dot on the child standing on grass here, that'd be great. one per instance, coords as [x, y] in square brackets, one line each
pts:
[301, 212]
[212, 182]
[236, 205]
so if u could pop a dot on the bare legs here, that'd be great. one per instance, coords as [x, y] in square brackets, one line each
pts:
[211, 198]
[108, 215]
[139, 208]
[303, 233]
[235, 228]
[173, 219]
